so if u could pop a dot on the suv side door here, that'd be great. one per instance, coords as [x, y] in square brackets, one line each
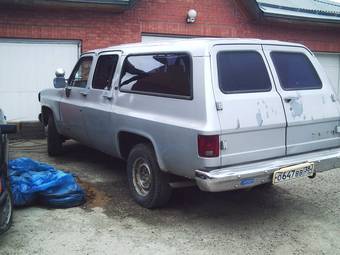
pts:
[309, 101]
[98, 104]
[250, 110]
[72, 100]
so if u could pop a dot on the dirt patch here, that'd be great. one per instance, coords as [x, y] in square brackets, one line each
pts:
[94, 196]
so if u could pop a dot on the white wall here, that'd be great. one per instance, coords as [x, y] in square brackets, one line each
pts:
[331, 64]
[155, 38]
[28, 66]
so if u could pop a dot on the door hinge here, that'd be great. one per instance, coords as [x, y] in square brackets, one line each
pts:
[219, 106]
[337, 129]
[333, 98]
[223, 145]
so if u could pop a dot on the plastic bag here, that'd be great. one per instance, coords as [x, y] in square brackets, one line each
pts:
[35, 182]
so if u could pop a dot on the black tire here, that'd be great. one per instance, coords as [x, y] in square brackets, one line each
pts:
[158, 193]
[6, 214]
[54, 139]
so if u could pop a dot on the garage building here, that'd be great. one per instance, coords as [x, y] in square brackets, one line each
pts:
[36, 37]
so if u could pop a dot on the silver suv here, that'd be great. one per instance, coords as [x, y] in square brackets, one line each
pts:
[226, 113]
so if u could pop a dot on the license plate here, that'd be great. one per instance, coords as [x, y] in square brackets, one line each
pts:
[293, 172]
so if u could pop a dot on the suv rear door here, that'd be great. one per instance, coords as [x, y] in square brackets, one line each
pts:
[311, 108]
[252, 119]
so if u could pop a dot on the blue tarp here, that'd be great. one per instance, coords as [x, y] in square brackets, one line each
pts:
[33, 182]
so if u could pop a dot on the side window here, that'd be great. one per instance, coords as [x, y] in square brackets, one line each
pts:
[242, 72]
[295, 71]
[80, 73]
[158, 74]
[105, 69]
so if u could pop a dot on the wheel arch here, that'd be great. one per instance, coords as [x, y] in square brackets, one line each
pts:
[127, 139]
[45, 112]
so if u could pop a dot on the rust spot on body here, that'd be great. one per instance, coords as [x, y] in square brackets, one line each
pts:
[259, 118]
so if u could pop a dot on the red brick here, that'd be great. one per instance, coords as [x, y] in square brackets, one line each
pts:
[223, 18]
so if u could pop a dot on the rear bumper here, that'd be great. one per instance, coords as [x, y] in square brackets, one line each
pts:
[253, 174]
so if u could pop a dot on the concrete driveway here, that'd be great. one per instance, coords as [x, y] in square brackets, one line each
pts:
[301, 217]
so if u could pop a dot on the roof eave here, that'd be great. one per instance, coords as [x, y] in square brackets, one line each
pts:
[302, 19]
[261, 16]
[113, 6]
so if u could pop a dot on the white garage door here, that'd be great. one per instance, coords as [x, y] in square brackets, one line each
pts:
[158, 38]
[331, 64]
[28, 66]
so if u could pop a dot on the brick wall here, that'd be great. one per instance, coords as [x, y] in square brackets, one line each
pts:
[225, 18]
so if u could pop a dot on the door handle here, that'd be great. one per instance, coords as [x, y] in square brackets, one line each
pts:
[108, 97]
[83, 93]
[289, 99]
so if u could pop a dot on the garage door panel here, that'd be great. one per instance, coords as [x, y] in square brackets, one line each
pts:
[18, 106]
[29, 67]
[331, 64]
[333, 76]
[160, 38]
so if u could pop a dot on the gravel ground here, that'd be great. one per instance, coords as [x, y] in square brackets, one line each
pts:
[300, 217]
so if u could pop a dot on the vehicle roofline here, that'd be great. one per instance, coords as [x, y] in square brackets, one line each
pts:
[203, 44]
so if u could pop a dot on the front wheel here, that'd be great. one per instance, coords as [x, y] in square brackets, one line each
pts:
[6, 214]
[54, 139]
[149, 186]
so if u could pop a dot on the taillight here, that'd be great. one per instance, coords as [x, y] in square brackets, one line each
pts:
[208, 146]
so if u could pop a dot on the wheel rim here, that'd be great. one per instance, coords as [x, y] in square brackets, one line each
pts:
[6, 213]
[142, 177]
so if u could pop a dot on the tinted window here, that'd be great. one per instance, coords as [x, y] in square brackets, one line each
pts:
[81, 73]
[105, 69]
[242, 71]
[167, 74]
[295, 71]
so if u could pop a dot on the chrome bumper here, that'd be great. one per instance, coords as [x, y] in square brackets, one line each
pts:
[253, 174]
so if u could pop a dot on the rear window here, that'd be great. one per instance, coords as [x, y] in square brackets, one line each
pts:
[295, 71]
[158, 74]
[242, 72]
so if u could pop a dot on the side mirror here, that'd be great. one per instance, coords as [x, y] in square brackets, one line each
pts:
[8, 129]
[59, 81]
[60, 72]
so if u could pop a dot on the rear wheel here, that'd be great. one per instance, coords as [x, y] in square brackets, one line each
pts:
[6, 214]
[54, 139]
[149, 186]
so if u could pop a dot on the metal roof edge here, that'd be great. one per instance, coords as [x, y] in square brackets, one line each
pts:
[300, 18]
[109, 5]
[253, 8]
[257, 13]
